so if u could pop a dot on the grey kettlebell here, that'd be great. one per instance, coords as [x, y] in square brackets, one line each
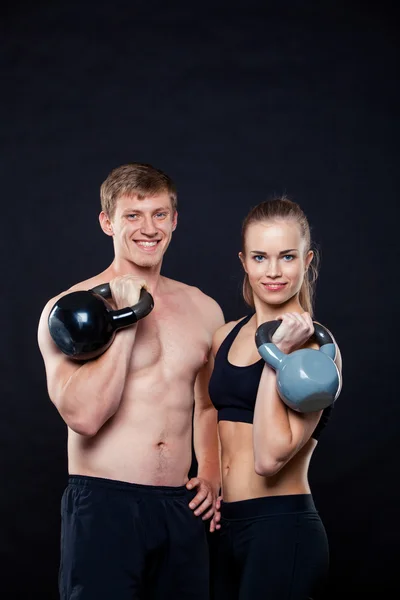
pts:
[307, 380]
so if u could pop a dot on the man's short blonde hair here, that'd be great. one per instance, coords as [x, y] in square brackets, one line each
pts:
[135, 179]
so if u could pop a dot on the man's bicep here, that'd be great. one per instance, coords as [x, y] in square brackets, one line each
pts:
[218, 319]
[201, 395]
[59, 369]
[215, 320]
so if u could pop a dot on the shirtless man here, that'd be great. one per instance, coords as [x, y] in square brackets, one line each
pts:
[132, 521]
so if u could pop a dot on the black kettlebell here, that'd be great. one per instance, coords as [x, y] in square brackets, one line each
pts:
[83, 324]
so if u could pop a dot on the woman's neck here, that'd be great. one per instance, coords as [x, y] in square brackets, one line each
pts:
[270, 312]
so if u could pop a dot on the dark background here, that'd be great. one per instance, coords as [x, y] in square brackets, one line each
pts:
[235, 104]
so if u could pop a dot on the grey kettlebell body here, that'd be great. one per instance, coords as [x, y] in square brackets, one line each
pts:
[307, 380]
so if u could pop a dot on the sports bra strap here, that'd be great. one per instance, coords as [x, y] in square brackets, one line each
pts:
[224, 348]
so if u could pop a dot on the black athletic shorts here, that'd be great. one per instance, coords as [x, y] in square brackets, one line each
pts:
[124, 541]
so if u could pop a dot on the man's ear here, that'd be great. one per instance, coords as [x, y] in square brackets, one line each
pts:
[106, 223]
[175, 220]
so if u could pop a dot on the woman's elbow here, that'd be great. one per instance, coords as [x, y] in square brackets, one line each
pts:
[267, 466]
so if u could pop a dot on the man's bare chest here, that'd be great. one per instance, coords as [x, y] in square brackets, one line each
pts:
[174, 340]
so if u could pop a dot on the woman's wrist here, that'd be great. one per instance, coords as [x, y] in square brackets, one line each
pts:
[286, 347]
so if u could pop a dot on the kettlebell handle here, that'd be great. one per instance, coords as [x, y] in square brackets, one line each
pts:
[265, 333]
[130, 314]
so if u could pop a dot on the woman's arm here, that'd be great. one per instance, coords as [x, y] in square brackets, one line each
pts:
[279, 432]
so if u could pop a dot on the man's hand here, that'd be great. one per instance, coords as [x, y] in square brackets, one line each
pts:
[204, 501]
[125, 290]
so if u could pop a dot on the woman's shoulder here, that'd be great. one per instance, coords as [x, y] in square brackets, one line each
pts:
[222, 332]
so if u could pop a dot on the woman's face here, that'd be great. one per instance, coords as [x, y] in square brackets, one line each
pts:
[275, 260]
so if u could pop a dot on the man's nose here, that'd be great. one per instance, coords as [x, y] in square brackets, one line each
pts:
[148, 227]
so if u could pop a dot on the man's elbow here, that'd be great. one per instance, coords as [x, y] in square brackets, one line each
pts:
[83, 428]
[77, 421]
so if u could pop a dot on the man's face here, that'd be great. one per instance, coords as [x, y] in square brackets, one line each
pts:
[142, 229]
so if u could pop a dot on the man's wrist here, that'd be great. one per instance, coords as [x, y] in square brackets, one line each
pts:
[212, 477]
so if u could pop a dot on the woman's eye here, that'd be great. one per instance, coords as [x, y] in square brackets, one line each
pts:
[288, 257]
[258, 258]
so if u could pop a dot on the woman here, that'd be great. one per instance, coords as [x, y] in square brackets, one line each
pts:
[272, 543]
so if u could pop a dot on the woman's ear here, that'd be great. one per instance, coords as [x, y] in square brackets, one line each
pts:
[241, 258]
[308, 259]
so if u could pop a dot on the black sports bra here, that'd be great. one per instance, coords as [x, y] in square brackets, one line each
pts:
[233, 389]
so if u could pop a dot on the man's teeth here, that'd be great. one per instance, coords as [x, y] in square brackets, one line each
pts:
[146, 244]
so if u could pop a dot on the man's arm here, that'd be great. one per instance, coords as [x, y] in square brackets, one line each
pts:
[86, 394]
[205, 434]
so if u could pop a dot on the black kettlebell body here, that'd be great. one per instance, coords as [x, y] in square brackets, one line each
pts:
[83, 324]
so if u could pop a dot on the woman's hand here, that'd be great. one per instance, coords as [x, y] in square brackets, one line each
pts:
[294, 331]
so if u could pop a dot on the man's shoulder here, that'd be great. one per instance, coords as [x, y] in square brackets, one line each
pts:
[202, 302]
[202, 298]
[192, 292]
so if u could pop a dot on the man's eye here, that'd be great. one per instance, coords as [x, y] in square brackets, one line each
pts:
[161, 215]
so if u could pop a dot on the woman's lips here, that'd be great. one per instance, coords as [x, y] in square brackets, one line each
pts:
[274, 287]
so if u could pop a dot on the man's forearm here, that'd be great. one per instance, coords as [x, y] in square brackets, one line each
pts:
[93, 394]
[205, 439]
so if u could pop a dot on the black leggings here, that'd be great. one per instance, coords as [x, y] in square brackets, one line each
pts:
[272, 548]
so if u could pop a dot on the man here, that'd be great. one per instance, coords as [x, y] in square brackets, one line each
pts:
[132, 523]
